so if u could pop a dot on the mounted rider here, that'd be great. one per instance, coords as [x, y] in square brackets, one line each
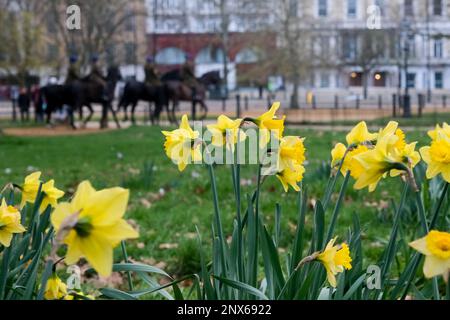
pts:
[73, 71]
[96, 75]
[152, 77]
[187, 75]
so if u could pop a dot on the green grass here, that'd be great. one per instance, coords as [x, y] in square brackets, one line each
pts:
[167, 205]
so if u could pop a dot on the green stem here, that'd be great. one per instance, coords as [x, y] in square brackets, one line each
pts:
[422, 216]
[331, 186]
[447, 295]
[438, 208]
[217, 217]
[125, 257]
[337, 207]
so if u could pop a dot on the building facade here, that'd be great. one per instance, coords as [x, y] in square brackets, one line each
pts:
[384, 43]
[196, 29]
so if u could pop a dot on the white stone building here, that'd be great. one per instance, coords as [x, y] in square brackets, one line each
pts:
[416, 33]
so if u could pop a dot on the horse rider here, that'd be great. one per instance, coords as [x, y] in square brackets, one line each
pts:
[151, 72]
[188, 76]
[96, 75]
[72, 72]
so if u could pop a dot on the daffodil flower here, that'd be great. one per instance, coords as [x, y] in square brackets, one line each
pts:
[437, 157]
[55, 289]
[225, 132]
[289, 168]
[445, 130]
[30, 189]
[268, 124]
[291, 177]
[391, 155]
[9, 223]
[98, 225]
[335, 258]
[181, 144]
[436, 248]
[360, 135]
[340, 153]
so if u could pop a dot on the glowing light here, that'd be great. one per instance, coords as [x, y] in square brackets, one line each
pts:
[353, 75]
[377, 76]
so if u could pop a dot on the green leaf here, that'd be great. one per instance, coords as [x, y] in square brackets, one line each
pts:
[137, 267]
[242, 286]
[117, 294]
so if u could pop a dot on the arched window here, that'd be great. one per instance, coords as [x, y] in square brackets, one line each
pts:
[210, 55]
[247, 55]
[170, 55]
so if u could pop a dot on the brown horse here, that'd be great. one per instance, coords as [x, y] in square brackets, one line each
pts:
[177, 91]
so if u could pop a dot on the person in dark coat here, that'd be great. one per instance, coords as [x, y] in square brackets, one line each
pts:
[96, 75]
[151, 73]
[188, 75]
[24, 104]
[73, 71]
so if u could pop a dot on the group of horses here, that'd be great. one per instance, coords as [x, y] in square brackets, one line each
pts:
[84, 92]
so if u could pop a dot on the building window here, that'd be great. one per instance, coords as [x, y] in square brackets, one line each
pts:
[438, 48]
[293, 8]
[351, 8]
[324, 80]
[438, 80]
[411, 80]
[437, 7]
[130, 53]
[380, 5]
[409, 8]
[412, 46]
[349, 46]
[247, 55]
[324, 46]
[209, 55]
[323, 8]
[170, 56]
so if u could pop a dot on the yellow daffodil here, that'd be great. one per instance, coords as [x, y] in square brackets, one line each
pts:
[9, 223]
[291, 152]
[445, 129]
[78, 295]
[437, 157]
[55, 289]
[350, 163]
[390, 155]
[360, 134]
[181, 145]
[98, 225]
[269, 124]
[30, 189]
[436, 248]
[335, 258]
[291, 177]
[225, 131]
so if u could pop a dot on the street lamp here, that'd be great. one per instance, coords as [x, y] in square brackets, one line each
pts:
[406, 32]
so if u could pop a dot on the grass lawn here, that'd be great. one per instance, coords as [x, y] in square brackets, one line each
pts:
[167, 205]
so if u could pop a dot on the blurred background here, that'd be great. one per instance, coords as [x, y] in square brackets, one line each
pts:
[378, 58]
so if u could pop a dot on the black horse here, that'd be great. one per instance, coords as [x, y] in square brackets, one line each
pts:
[134, 91]
[177, 91]
[81, 93]
[53, 98]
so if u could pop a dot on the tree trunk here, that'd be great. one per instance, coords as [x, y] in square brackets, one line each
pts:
[294, 98]
[365, 84]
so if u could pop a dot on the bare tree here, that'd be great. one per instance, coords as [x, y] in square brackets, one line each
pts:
[101, 24]
[21, 38]
[369, 49]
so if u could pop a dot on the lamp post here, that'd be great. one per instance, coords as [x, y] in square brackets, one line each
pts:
[406, 31]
